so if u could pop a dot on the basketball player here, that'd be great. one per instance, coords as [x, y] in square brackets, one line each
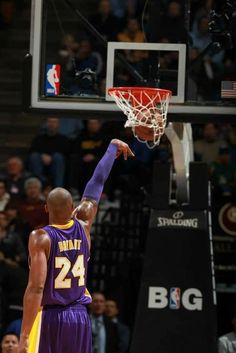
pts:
[55, 319]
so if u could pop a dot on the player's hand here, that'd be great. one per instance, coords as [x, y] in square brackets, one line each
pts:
[123, 148]
[23, 344]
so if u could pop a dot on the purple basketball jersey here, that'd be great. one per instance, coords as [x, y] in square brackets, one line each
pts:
[67, 265]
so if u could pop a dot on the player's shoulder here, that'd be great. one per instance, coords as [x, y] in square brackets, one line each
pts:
[39, 237]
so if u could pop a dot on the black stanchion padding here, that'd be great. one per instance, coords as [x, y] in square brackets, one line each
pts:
[198, 186]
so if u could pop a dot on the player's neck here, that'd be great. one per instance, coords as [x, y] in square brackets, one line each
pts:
[59, 220]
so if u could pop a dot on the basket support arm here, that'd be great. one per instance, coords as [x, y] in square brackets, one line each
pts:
[180, 137]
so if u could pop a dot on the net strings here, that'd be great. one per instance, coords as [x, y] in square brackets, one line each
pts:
[151, 114]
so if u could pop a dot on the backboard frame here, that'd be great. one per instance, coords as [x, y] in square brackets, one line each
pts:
[161, 47]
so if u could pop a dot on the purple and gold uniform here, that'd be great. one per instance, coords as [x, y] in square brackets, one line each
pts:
[63, 325]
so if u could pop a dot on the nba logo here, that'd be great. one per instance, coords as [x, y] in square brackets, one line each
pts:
[52, 82]
[174, 298]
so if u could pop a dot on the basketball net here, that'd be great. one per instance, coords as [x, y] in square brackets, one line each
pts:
[143, 107]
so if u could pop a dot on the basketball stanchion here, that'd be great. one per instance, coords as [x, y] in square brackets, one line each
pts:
[177, 301]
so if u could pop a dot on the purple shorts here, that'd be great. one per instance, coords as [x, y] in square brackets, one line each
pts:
[59, 329]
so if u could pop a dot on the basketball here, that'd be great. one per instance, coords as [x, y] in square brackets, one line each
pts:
[147, 133]
[144, 133]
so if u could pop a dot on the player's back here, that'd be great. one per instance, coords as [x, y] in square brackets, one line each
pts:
[67, 265]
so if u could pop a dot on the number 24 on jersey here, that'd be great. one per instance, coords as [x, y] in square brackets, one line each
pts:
[77, 270]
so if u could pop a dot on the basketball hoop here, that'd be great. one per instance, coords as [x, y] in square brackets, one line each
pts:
[144, 107]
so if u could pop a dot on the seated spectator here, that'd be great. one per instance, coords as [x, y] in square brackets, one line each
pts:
[14, 327]
[121, 7]
[12, 250]
[201, 39]
[15, 224]
[105, 22]
[10, 343]
[87, 58]
[15, 177]
[4, 195]
[69, 47]
[13, 279]
[112, 312]
[104, 332]
[172, 24]
[70, 127]
[199, 84]
[47, 154]
[227, 342]
[223, 173]
[132, 32]
[32, 209]
[203, 11]
[81, 65]
[87, 150]
[207, 148]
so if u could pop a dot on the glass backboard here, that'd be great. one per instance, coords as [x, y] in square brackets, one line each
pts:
[77, 54]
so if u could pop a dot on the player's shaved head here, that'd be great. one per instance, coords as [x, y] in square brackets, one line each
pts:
[60, 203]
[59, 198]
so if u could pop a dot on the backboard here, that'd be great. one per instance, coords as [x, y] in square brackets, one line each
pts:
[73, 65]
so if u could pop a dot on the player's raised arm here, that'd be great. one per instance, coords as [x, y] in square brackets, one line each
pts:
[87, 209]
[39, 248]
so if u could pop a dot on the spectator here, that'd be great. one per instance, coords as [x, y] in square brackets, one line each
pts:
[199, 85]
[210, 61]
[70, 127]
[48, 152]
[32, 209]
[121, 7]
[86, 58]
[105, 22]
[172, 24]
[87, 150]
[227, 342]
[15, 223]
[112, 312]
[15, 177]
[4, 195]
[13, 279]
[132, 32]
[11, 245]
[203, 11]
[104, 332]
[207, 148]
[223, 173]
[14, 327]
[88, 64]
[69, 47]
[7, 11]
[201, 40]
[10, 343]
